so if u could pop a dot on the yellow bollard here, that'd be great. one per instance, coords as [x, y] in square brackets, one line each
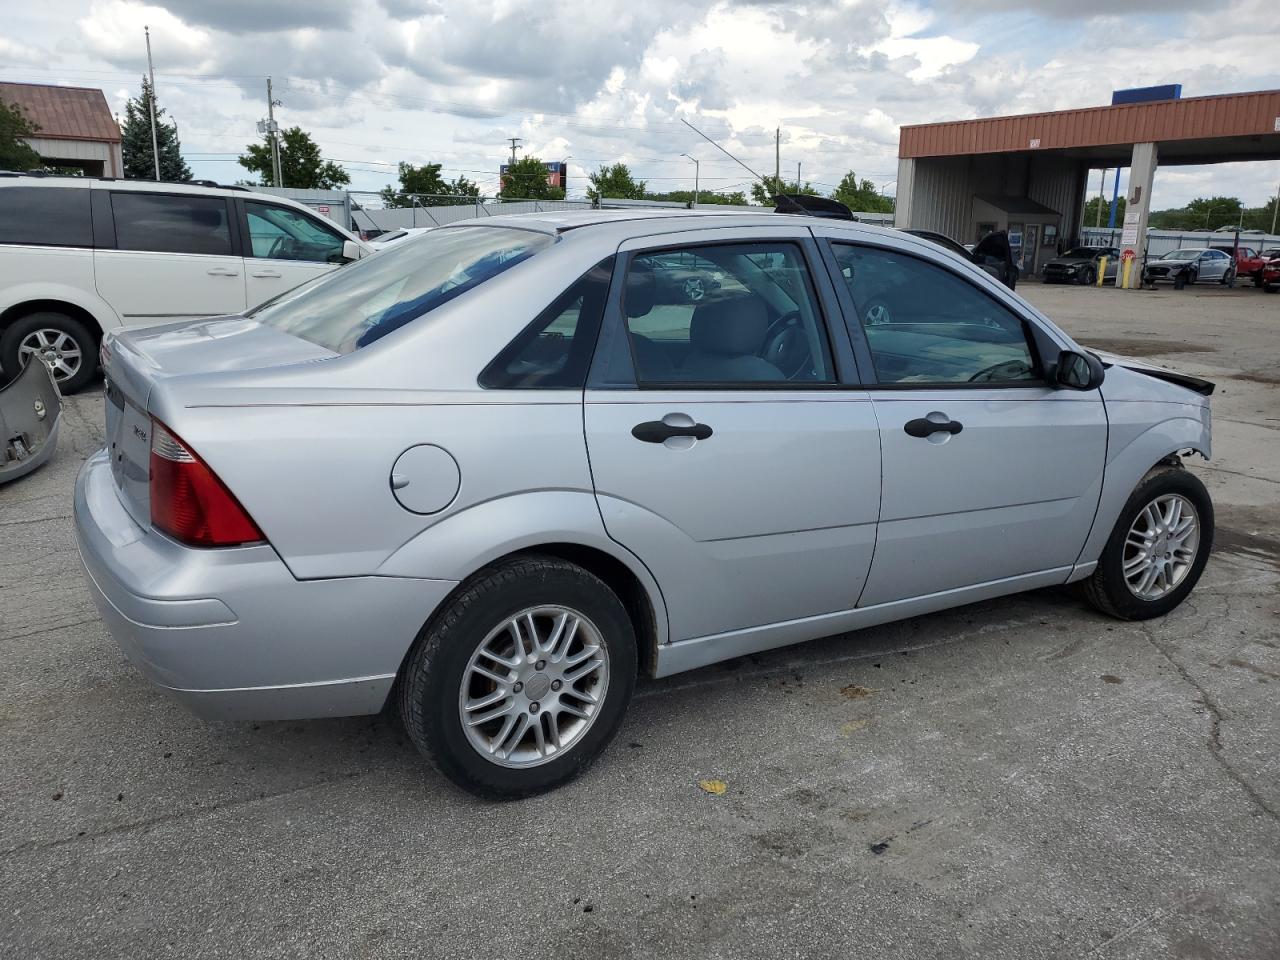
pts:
[1125, 270]
[1102, 270]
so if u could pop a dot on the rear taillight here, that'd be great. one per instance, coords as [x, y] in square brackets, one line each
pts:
[188, 502]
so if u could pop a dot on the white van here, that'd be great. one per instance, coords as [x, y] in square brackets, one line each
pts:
[80, 256]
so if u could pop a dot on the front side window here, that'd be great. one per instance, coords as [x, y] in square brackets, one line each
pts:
[278, 233]
[554, 351]
[728, 315]
[171, 223]
[46, 216]
[347, 309]
[924, 324]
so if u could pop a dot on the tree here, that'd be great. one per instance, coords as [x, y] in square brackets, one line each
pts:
[300, 162]
[861, 195]
[15, 152]
[526, 179]
[424, 187]
[1091, 212]
[775, 186]
[614, 181]
[704, 196]
[139, 161]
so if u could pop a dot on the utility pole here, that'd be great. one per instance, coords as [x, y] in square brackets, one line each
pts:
[777, 157]
[799, 189]
[697, 167]
[1102, 195]
[151, 72]
[1275, 206]
[515, 142]
[275, 137]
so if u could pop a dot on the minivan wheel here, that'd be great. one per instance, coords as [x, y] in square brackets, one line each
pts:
[1158, 549]
[521, 681]
[62, 342]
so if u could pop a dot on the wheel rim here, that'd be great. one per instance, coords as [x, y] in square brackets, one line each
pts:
[56, 348]
[1161, 546]
[693, 289]
[878, 313]
[534, 686]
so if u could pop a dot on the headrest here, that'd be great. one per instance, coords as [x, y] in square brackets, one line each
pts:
[640, 291]
[735, 327]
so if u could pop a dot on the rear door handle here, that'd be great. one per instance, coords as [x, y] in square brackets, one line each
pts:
[659, 431]
[924, 427]
[265, 274]
[222, 272]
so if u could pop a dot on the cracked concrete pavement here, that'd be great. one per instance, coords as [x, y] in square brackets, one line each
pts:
[1020, 778]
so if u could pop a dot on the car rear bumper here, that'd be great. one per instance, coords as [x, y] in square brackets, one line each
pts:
[231, 633]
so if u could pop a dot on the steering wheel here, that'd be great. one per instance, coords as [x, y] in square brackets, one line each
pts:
[1013, 370]
[786, 346]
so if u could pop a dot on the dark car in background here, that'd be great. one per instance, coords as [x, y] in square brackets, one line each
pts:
[1082, 265]
[992, 254]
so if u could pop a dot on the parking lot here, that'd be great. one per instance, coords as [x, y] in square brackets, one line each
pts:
[1019, 778]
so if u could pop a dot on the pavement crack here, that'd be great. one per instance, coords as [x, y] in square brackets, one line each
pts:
[126, 828]
[1215, 726]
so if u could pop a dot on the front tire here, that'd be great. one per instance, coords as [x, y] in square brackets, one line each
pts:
[63, 342]
[522, 679]
[1158, 549]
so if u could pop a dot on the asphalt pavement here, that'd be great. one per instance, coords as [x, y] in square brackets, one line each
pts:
[1019, 778]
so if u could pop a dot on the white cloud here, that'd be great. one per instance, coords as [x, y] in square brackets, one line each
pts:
[448, 81]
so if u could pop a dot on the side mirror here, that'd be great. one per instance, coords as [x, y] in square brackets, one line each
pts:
[351, 250]
[1078, 371]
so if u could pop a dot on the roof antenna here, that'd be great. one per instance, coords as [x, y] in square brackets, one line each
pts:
[784, 203]
[762, 180]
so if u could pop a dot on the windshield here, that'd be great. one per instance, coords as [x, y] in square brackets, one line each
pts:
[352, 307]
[1082, 253]
[1182, 254]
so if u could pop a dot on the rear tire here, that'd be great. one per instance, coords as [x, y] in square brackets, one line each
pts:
[70, 345]
[448, 673]
[1114, 593]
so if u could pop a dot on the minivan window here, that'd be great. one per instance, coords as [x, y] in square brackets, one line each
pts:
[46, 216]
[171, 223]
[364, 301]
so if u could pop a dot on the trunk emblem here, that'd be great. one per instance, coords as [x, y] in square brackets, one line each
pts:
[139, 433]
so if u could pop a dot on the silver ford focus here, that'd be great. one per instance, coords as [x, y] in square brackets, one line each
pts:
[500, 470]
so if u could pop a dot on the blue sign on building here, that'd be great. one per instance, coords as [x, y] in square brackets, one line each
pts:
[1168, 91]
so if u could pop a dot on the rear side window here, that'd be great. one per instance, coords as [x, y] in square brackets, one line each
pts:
[554, 351]
[163, 223]
[364, 301]
[46, 216]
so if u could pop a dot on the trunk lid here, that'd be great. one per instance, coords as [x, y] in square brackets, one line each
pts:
[136, 362]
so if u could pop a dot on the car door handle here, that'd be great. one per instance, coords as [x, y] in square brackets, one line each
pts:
[659, 431]
[222, 272]
[924, 427]
[265, 274]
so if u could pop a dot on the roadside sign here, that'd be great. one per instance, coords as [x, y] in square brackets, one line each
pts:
[1128, 255]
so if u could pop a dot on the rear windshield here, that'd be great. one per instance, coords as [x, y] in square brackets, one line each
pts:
[364, 301]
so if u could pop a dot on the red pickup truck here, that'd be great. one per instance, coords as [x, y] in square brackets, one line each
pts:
[1271, 272]
[1249, 263]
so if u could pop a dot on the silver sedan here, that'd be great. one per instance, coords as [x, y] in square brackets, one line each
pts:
[499, 471]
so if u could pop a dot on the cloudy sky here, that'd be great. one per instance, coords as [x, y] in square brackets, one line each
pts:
[378, 81]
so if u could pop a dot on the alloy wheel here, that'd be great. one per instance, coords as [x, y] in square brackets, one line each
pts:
[58, 349]
[1161, 546]
[534, 686]
[694, 289]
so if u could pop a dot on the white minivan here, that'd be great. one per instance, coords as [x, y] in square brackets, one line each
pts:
[80, 256]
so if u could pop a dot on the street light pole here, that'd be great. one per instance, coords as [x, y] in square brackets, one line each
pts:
[151, 72]
[697, 167]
